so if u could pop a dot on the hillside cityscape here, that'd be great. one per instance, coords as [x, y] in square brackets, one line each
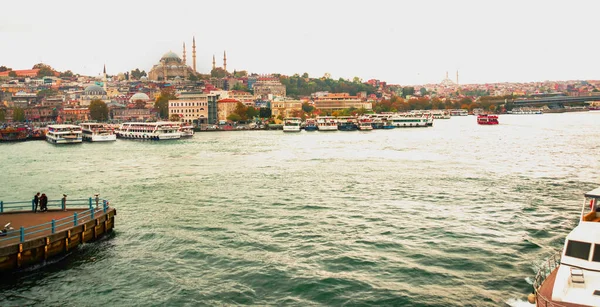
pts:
[174, 90]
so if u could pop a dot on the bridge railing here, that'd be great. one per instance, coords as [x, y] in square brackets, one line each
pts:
[94, 206]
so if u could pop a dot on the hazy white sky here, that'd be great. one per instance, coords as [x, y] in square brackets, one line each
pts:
[401, 42]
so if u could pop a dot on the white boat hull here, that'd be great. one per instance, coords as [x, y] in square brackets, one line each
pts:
[61, 140]
[328, 128]
[149, 136]
[291, 128]
[100, 138]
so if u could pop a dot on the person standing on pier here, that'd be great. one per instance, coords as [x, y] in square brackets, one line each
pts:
[36, 201]
[43, 203]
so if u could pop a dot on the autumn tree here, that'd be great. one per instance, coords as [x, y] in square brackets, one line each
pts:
[241, 109]
[162, 102]
[12, 74]
[234, 117]
[174, 117]
[98, 110]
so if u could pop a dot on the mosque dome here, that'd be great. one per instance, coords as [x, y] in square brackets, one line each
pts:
[94, 90]
[170, 56]
[139, 96]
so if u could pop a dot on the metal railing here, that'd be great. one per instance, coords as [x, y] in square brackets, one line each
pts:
[543, 272]
[94, 207]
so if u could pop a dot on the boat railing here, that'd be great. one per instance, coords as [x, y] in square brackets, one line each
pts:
[94, 207]
[544, 270]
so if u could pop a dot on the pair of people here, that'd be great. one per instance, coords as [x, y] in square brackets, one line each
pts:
[42, 201]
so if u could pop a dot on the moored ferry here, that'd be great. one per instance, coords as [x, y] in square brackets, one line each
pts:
[347, 123]
[310, 124]
[460, 112]
[440, 114]
[365, 124]
[291, 124]
[485, 119]
[97, 132]
[406, 121]
[149, 131]
[326, 123]
[186, 131]
[573, 279]
[64, 134]
[14, 134]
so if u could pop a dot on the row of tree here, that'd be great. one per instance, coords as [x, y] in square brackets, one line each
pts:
[297, 86]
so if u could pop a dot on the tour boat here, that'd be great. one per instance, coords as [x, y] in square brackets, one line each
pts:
[365, 124]
[399, 121]
[64, 134]
[14, 134]
[377, 123]
[440, 114]
[310, 124]
[97, 132]
[573, 279]
[460, 112]
[149, 131]
[326, 123]
[187, 131]
[522, 111]
[291, 124]
[346, 123]
[485, 119]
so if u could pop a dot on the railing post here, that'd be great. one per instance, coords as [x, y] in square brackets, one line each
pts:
[22, 234]
[104, 205]
[1, 206]
[92, 213]
[90, 201]
[75, 219]
[62, 204]
[32, 205]
[53, 226]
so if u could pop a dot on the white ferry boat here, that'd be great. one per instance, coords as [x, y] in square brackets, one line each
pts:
[291, 124]
[326, 123]
[187, 131]
[407, 121]
[97, 132]
[64, 134]
[365, 124]
[149, 131]
[440, 114]
[573, 279]
[525, 111]
[461, 112]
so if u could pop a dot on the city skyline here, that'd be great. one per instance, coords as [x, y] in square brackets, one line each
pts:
[401, 43]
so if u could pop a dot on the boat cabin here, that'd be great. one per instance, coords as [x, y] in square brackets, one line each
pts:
[578, 276]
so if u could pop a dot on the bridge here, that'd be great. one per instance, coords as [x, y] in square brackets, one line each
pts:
[556, 100]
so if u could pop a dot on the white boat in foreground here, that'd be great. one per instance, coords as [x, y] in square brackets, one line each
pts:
[97, 132]
[149, 131]
[291, 124]
[187, 131]
[64, 134]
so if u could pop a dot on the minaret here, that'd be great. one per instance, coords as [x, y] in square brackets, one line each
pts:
[224, 61]
[457, 77]
[184, 53]
[104, 78]
[214, 63]
[194, 52]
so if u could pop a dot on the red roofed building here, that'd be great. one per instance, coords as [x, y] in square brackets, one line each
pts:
[21, 73]
[225, 107]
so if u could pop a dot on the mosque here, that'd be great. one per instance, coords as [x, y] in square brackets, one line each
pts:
[172, 67]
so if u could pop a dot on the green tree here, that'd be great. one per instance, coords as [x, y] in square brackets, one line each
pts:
[423, 91]
[218, 73]
[408, 91]
[18, 115]
[2, 115]
[240, 74]
[307, 108]
[241, 87]
[234, 117]
[98, 110]
[241, 109]
[193, 77]
[137, 74]
[251, 112]
[162, 102]
[66, 74]
[4, 68]
[305, 75]
[44, 70]
[12, 74]
[265, 113]
[48, 92]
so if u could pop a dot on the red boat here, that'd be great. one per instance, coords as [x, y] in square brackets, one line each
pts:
[484, 119]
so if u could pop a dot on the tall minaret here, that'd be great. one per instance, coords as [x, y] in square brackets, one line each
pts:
[214, 63]
[104, 78]
[224, 61]
[457, 77]
[194, 52]
[184, 53]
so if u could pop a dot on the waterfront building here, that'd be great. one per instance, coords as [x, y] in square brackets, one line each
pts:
[339, 101]
[265, 86]
[285, 107]
[93, 92]
[23, 99]
[245, 97]
[40, 114]
[225, 107]
[132, 114]
[73, 115]
[192, 108]
[213, 114]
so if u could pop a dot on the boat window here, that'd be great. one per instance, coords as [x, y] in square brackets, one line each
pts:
[578, 249]
[596, 257]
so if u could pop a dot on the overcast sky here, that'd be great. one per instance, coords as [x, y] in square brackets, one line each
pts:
[401, 42]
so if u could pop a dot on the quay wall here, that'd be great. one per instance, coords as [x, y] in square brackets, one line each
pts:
[37, 250]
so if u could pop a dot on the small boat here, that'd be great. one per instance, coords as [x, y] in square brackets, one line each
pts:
[401, 121]
[326, 123]
[485, 119]
[64, 134]
[149, 131]
[310, 124]
[572, 279]
[37, 134]
[187, 131]
[14, 134]
[97, 132]
[365, 124]
[291, 124]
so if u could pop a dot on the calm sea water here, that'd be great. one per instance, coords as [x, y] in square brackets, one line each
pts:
[453, 215]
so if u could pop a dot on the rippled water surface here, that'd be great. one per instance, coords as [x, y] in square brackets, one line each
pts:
[453, 215]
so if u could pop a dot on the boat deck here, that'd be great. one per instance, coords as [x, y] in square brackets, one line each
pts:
[544, 294]
[28, 219]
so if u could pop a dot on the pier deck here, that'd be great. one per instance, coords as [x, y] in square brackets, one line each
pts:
[29, 219]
